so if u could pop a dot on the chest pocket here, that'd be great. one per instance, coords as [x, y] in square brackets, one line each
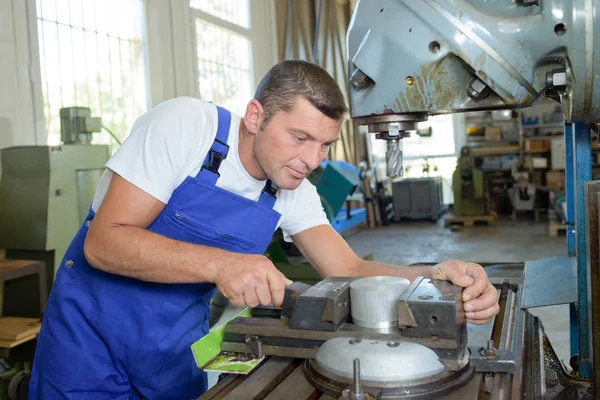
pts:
[197, 232]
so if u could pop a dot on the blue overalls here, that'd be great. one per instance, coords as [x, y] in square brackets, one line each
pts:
[106, 336]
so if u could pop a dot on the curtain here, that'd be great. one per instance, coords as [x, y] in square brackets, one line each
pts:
[315, 31]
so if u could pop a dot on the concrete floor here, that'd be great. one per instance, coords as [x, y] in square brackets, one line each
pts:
[507, 241]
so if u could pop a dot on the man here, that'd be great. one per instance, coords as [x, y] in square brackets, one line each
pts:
[188, 203]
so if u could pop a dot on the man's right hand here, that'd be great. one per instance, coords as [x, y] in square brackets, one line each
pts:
[251, 279]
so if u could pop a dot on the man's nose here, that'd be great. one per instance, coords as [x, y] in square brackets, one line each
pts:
[313, 156]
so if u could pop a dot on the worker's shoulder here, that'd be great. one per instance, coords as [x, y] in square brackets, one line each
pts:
[186, 105]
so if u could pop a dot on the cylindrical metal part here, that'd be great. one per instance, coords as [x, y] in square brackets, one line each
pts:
[373, 301]
[357, 376]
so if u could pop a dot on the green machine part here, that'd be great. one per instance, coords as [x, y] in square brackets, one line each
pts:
[469, 194]
[334, 185]
[45, 194]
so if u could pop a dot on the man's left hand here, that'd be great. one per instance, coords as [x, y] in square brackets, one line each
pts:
[479, 296]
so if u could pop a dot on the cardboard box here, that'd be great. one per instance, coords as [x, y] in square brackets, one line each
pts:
[539, 162]
[555, 179]
[558, 155]
[538, 144]
[493, 133]
[491, 162]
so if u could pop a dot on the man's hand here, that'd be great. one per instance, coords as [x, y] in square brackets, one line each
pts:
[479, 296]
[251, 279]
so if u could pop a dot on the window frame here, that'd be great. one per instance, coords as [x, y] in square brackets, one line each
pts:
[35, 69]
[261, 35]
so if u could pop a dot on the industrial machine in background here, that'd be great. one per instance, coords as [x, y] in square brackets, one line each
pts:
[418, 198]
[408, 60]
[468, 186]
[46, 191]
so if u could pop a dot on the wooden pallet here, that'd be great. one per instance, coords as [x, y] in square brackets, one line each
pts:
[554, 228]
[470, 220]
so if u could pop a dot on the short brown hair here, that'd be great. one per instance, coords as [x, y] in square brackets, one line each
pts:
[290, 79]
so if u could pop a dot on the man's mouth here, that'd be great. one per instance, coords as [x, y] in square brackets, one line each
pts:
[297, 174]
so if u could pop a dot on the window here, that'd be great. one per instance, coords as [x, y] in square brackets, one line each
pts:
[92, 55]
[224, 51]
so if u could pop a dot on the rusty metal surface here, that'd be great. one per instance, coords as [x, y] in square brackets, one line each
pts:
[592, 214]
[297, 384]
[223, 387]
[264, 379]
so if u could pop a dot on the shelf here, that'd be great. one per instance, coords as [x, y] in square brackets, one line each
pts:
[15, 331]
[484, 120]
[545, 126]
[537, 151]
[543, 137]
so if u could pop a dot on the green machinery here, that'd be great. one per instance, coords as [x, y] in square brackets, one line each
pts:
[46, 191]
[468, 186]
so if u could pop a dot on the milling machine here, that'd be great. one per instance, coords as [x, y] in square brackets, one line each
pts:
[468, 186]
[409, 59]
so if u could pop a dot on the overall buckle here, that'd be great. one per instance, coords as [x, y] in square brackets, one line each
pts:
[270, 189]
[215, 158]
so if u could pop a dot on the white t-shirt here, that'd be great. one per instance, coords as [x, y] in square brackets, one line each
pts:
[170, 142]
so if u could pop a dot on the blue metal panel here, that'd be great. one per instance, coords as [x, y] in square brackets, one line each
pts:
[582, 171]
[570, 194]
[573, 322]
[570, 189]
[342, 222]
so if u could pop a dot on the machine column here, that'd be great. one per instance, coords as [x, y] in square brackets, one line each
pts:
[578, 170]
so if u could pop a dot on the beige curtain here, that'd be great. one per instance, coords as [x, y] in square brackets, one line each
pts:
[296, 27]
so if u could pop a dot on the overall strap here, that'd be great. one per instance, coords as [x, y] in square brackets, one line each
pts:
[268, 195]
[219, 149]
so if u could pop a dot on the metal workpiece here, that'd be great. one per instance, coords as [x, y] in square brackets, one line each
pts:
[432, 308]
[453, 56]
[381, 361]
[323, 307]
[374, 300]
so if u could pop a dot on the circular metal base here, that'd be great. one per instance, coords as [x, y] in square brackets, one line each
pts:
[426, 388]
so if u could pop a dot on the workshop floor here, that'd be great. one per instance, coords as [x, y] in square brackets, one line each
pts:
[507, 241]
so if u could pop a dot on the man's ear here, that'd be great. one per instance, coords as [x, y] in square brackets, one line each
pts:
[254, 116]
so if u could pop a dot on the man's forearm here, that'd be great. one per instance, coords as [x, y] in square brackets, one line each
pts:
[145, 255]
[372, 268]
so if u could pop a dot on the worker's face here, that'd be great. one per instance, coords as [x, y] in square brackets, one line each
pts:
[293, 144]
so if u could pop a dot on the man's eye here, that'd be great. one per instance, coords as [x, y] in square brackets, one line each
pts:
[299, 139]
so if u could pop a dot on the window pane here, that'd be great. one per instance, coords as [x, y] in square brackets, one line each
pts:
[440, 143]
[235, 11]
[92, 55]
[223, 66]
